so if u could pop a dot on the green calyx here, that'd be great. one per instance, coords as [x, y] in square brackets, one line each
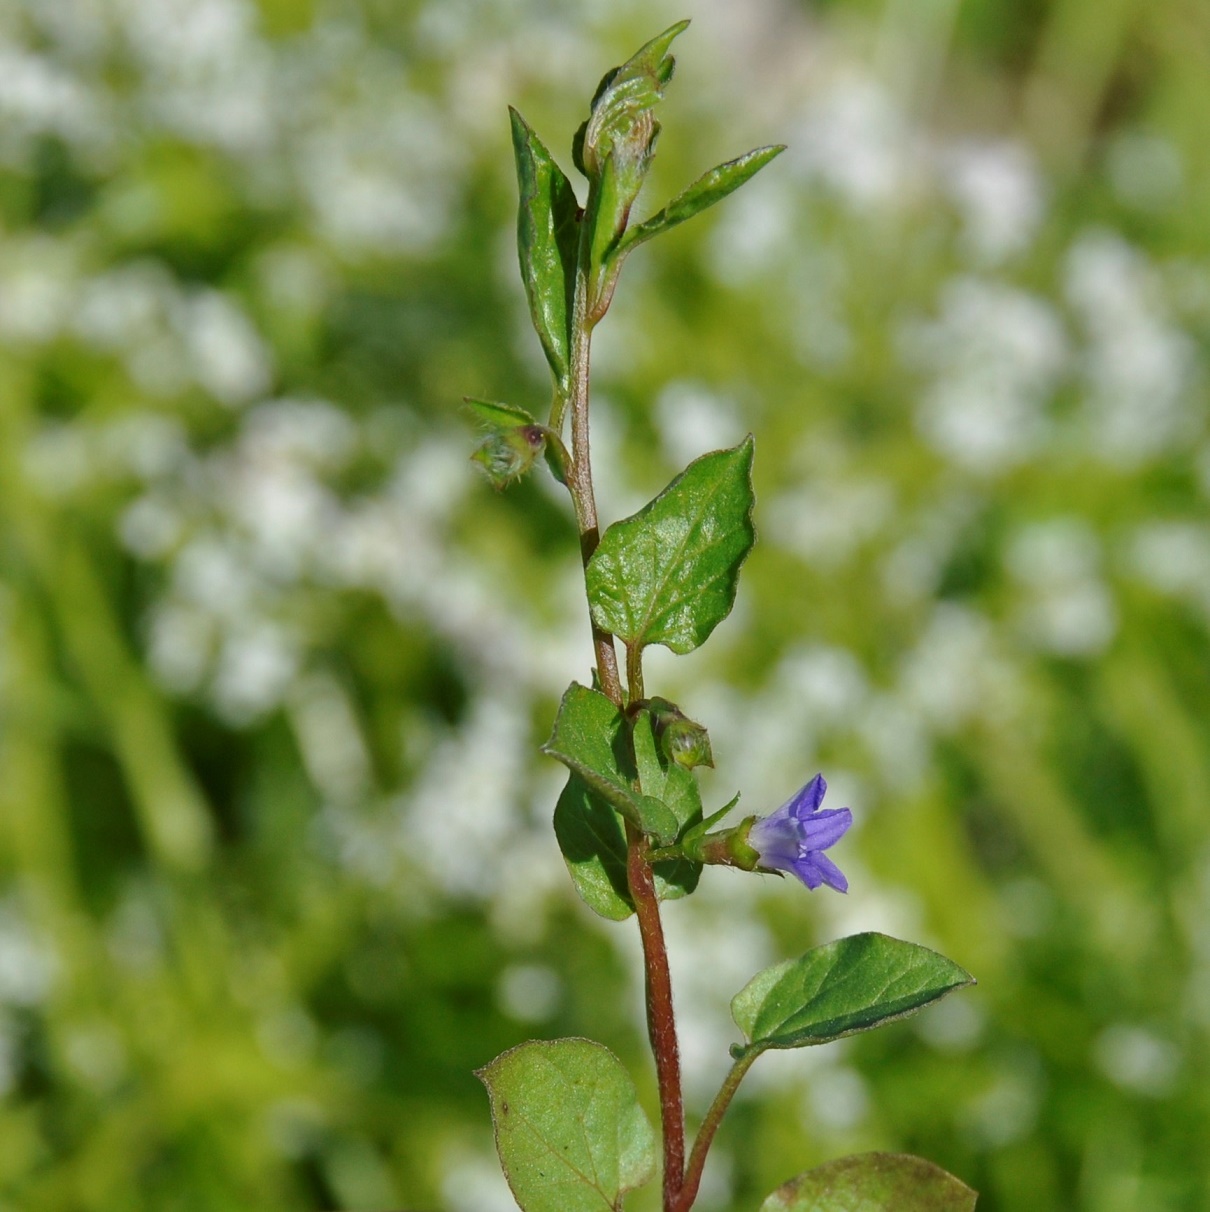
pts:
[682, 740]
[727, 848]
[509, 453]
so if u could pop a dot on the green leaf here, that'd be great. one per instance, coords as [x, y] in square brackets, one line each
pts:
[851, 985]
[590, 739]
[547, 242]
[873, 1182]
[593, 843]
[668, 574]
[620, 120]
[708, 189]
[614, 149]
[592, 838]
[495, 415]
[569, 1129]
[675, 787]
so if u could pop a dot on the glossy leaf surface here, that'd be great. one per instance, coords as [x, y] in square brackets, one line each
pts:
[708, 189]
[547, 243]
[668, 574]
[592, 840]
[620, 120]
[590, 739]
[569, 1129]
[592, 837]
[854, 984]
[873, 1182]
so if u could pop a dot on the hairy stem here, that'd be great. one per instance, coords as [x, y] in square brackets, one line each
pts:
[579, 479]
[634, 672]
[661, 1020]
[705, 1134]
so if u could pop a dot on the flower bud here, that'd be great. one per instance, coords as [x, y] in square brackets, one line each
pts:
[683, 741]
[509, 453]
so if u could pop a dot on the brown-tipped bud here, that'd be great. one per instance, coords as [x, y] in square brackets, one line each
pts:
[509, 453]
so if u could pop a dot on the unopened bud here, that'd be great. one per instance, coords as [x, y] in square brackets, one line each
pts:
[683, 741]
[509, 453]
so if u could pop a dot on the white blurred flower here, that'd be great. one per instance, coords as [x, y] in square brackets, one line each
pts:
[1069, 610]
[998, 191]
[1139, 370]
[995, 355]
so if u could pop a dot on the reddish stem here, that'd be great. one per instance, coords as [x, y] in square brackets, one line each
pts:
[705, 1134]
[661, 1021]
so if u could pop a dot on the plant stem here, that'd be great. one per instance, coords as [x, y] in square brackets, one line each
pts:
[661, 1019]
[579, 478]
[705, 1134]
[661, 1023]
[634, 672]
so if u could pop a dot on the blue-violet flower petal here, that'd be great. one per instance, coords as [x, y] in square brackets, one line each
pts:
[794, 837]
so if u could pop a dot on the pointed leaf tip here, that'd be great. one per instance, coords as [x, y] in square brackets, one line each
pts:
[851, 985]
[708, 189]
[669, 573]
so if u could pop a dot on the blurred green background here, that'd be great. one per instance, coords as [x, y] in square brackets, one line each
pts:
[276, 870]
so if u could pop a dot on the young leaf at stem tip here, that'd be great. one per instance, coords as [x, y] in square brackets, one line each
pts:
[548, 237]
[854, 984]
[569, 1129]
[614, 149]
[668, 574]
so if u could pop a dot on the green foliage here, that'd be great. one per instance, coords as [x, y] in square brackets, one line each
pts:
[873, 1182]
[854, 984]
[614, 149]
[709, 188]
[547, 242]
[593, 844]
[590, 738]
[269, 853]
[492, 414]
[569, 1129]
[591, 836]
[668, 574]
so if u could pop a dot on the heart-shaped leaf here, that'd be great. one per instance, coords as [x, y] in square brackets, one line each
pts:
[548, 237]
[569, 1129]
[873, 1182]
[851, 985]
[668, 574]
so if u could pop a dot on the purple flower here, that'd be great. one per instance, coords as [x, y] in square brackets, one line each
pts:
[794, 837]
